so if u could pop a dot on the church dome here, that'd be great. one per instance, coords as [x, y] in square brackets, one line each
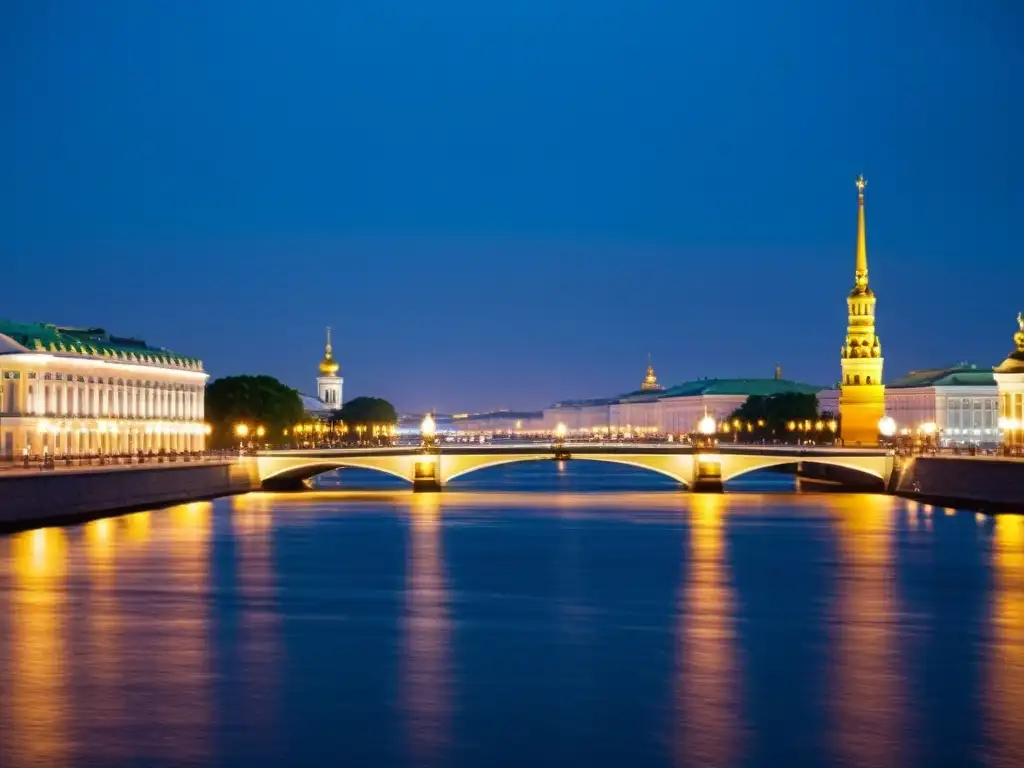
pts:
[329, 366]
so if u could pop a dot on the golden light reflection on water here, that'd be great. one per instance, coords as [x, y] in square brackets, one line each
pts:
[867, 686]
[36, 730]
[1004, 676]
[426, 667]
[259, 631]
[176, 575]
[707, 678]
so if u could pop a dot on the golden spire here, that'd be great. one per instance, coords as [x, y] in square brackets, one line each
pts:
[328, 366]
[861, 273]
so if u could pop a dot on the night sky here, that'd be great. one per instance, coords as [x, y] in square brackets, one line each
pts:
[505, 204]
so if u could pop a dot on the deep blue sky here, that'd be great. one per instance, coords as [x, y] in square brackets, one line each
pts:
[503, 204]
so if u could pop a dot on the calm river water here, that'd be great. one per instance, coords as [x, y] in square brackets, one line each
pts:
[590, 616]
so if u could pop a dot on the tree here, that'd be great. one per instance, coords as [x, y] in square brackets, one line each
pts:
[360, 414]
[771, 415]
[252, 400]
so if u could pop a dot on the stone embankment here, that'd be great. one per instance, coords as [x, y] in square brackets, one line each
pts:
[30, 499]
[988, 484]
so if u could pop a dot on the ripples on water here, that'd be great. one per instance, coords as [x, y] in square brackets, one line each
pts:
[590, 616]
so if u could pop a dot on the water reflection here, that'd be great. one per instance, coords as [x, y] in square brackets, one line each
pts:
[258, 645]
[708, 688]
[867, 685]
[37, 727]
[426, 673]
[1004, 679]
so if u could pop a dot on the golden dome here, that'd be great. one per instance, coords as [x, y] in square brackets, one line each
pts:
[328, 366]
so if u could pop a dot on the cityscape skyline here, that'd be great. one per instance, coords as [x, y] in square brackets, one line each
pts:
[536, 241]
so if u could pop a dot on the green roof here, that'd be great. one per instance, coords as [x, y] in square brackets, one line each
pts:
[92, 342]
[960, 375]
[746, 387]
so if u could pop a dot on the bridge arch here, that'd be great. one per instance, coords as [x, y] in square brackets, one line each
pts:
[735, 469]
[496, 461]
[294, 475]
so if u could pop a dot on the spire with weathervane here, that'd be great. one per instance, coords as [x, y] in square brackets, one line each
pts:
[862, 402]
[329, 383]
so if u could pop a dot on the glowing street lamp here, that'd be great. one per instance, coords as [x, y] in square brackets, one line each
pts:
[887, 427]
[560, 432]
[428, 431]
[707, 426]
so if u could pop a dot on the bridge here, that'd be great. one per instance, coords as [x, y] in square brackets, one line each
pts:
[696, 469]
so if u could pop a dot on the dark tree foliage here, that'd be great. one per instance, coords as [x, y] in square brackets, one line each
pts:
[775, 412]
[366, 411]
[254, 400]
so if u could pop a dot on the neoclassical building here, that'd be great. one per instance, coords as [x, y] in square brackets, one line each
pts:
[960, 400]
[1009, 377]
[83, 390]
[650, 409]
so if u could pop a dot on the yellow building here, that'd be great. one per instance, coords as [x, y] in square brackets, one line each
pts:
[862, 394]
[1010, 380]
[84, 391]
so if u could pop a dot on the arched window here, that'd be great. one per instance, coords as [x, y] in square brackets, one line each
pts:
[856, 379]
[869, 380]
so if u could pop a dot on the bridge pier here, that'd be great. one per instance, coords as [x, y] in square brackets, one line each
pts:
[426, 474]
[707, 473]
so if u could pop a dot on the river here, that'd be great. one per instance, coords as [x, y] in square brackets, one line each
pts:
[534, 615]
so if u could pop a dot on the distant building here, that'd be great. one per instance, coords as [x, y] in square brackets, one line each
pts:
[961, 400]
[1010, 377]
[83, 390]
[648, 409]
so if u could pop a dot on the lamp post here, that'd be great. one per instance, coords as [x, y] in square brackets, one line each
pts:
[241, 432]
[886, 429]
[559, 443]
[427, 468]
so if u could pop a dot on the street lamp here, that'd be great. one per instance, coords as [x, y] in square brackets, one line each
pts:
[428, 431]
[887, 428]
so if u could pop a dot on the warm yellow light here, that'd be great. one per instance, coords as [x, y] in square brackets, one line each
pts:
[207, 429]
[561, 430]
[819, 425]
[929, 428]
[706, 426]
[242, 430]
[429, 427]
[791, 426]
[887, 426]
[833, 425]
[260, 431]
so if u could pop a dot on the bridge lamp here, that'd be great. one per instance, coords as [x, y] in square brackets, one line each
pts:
[929, 428]
[887, 426]
[707, 426]
[260, 431]
[242, 430]
[428, 429]
[561, 431]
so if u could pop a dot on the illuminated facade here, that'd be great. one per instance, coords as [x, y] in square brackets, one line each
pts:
[675, 410]
[862, 394]
[1009, 377]
[81, 390]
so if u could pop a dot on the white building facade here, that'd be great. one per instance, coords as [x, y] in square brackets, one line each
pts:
[962, 402]
[1009, 377]
[83, 391]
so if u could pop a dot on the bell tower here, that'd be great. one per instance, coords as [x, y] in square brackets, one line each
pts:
[862, 394]
[329, 383]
